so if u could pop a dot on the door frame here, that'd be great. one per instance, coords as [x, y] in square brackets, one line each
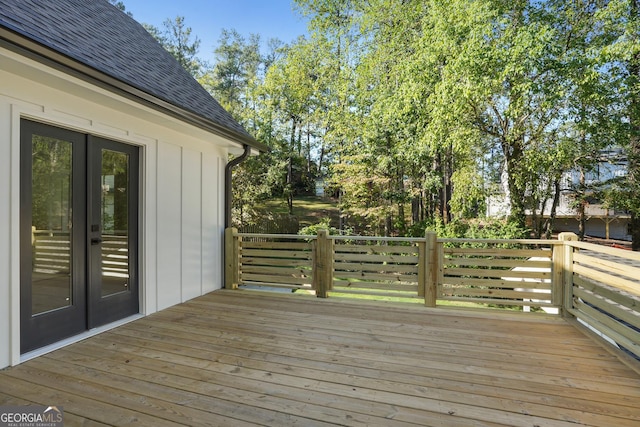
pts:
[17, 356]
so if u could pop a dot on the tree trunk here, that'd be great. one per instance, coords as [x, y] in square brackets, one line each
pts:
[322, 154]
[517, 188]
[308, 150]
[439, 205]
[400, 188]
[554, 207]
[447, 172]
[415, 210]
[582, 218]
[289, 185]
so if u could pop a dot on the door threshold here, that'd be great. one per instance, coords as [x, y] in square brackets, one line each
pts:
[76, 338]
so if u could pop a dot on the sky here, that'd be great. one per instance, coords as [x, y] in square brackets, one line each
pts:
[207, 18]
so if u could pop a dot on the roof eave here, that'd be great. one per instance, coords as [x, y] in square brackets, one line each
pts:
[52, 58]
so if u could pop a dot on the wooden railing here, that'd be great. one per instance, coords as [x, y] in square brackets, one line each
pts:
[51, 251]
[499, 272]
[277, 261]
[598, 285]
[489, 272]
[602, 290]
[376, 266]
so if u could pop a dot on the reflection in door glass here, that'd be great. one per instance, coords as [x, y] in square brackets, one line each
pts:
[115, 222]
[51, 224]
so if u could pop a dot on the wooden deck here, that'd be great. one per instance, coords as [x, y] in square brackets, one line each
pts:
[248, 358]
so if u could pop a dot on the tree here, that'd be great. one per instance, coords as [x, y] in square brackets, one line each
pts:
[620, 58]
[633, 148]
[236, 73]
[390, 118]
[237, 82]
[120, 5]
[290, 87]
[429, 104]
[175, 37]
[334, 32]
[631, 45]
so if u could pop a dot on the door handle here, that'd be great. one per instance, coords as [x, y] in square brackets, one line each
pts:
[96, 240]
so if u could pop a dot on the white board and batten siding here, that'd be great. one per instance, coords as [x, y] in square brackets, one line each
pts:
[189, 216]
[181, 198]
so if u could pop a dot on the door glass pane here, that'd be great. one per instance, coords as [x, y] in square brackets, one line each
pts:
[51, 224]
[115, 222]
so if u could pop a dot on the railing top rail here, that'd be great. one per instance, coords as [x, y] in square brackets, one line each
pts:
[378, 238]
[499, 241]
[622, 253]
[404, 239]
[277, 236]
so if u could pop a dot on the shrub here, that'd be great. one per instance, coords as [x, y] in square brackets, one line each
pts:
[324, 224]
[485, 228]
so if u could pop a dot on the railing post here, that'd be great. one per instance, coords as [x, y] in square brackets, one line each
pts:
[323, 264]
[429, 269]
[565, 275]
[557, 279]
[232, 244]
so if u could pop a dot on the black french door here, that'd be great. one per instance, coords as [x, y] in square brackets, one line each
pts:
[78, 233]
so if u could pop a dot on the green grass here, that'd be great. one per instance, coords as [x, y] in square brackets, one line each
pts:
[309, 209]
[376, 297]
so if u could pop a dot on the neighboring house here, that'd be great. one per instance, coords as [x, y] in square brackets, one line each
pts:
[600, 221]
[112, 180]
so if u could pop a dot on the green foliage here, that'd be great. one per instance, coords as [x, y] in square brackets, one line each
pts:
[175, 37]
[324, 224]
[51, 180]
[470, 203]
[490, 228]
[234, 78]
[414, 112]
[120, 5]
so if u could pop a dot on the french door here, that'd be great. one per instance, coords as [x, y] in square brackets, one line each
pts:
[78, 233]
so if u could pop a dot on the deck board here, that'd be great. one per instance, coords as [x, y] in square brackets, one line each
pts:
[251, 358]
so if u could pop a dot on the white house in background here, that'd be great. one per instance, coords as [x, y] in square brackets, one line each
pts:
[112, 162]
[601, 222]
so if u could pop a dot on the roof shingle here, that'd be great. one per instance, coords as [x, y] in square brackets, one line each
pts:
[98, 35]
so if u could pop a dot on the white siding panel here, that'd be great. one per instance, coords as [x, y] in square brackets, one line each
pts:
[149, 223]
[211, 244]
[169, 233]
[191, 224]
[5, 232]
[222, 163]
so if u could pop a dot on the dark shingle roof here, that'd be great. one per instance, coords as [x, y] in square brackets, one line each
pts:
[96, 34]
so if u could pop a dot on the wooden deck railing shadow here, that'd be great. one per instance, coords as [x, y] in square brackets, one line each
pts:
[52, 252]
[597, 285]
